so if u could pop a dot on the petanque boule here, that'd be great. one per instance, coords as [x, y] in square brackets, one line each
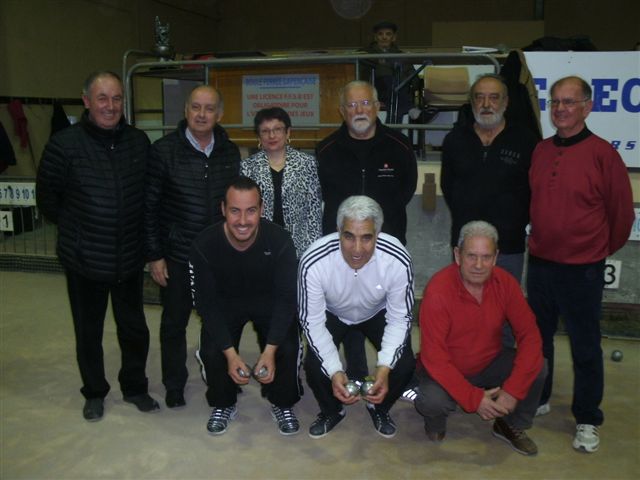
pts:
[246, 372]
[616, 355]
[352, 387]
[365, 388]
[263, 372]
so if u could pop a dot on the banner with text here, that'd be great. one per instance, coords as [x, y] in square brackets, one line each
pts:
[298, 94]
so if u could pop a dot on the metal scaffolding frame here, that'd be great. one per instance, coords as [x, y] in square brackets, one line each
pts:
[200, 70]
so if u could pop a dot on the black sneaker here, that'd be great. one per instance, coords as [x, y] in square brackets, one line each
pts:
[285, 418]
[175, 399]
[93, 409]
[323, 424]
[382, 421]
[220, 418]
[144, 402]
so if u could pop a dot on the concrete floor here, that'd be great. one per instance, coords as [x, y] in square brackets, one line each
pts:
[43, 435]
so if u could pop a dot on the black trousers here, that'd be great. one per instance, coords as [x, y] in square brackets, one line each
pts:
[286, 388]
[575, 292]
[88, 300]
[177, 304]
[373, 329]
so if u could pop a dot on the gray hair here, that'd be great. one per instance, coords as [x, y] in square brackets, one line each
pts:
[360, 208]
[478, 228]
[88, 83]
[493, 76]
[357, 84]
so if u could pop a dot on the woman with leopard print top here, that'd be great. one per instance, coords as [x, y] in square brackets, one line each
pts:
[287, 177]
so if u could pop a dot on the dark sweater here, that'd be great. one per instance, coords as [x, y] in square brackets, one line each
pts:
[489, 183]
[257, 282]
[387, 173]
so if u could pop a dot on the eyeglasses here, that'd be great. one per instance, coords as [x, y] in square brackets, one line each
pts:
[566, 102]
[492, 97]
[362, 103]
[277, 131]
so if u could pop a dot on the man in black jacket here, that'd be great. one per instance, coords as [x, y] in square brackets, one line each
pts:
[485, 168]
[363, 157]
[187, 173]
[90, 183]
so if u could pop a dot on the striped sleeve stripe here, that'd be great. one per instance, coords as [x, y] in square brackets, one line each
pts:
[404, 258]
[307, 261]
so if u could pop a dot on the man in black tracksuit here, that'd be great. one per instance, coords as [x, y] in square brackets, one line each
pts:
[244, 269]
[90, 184]
[187, 174]
[363, 157]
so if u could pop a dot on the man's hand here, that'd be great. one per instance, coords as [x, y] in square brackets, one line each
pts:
[159, 272]
[338, 382]
[506, 400]
[489, 408]
[380, 386]
[267, 359]
[235, 362]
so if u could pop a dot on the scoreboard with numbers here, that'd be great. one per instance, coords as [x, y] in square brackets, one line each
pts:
[21, 194]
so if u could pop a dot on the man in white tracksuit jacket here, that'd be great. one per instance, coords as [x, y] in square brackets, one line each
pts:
[356, 278]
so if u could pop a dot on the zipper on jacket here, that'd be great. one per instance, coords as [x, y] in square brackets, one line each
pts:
[119, 201]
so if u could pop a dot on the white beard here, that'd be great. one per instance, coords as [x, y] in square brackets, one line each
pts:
[360, 124]
[489, 121]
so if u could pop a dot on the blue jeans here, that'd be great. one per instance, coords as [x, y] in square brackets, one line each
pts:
[575, 292]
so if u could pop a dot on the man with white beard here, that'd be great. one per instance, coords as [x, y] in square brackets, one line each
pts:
[484, 173]
[363, 157]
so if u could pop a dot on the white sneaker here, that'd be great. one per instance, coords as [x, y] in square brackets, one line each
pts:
[543, 409]
[586, 439]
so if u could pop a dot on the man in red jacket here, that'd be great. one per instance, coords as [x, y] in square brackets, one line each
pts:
[462, 359]
[581, 212]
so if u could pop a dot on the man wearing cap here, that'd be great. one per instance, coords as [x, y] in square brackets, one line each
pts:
[381, 72]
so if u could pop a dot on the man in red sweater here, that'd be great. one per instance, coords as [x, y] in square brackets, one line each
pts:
[462, 359]
[581, 212]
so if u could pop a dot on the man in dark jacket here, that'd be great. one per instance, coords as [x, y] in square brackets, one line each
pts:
[188, 171]
[485, 167]
[363, 157]
[90, 184]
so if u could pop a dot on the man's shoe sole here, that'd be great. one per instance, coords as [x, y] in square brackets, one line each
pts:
[94, 419]
[154, 409]
[585, 449]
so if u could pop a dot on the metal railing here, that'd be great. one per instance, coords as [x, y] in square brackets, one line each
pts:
[25, 237]
[201, 69]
